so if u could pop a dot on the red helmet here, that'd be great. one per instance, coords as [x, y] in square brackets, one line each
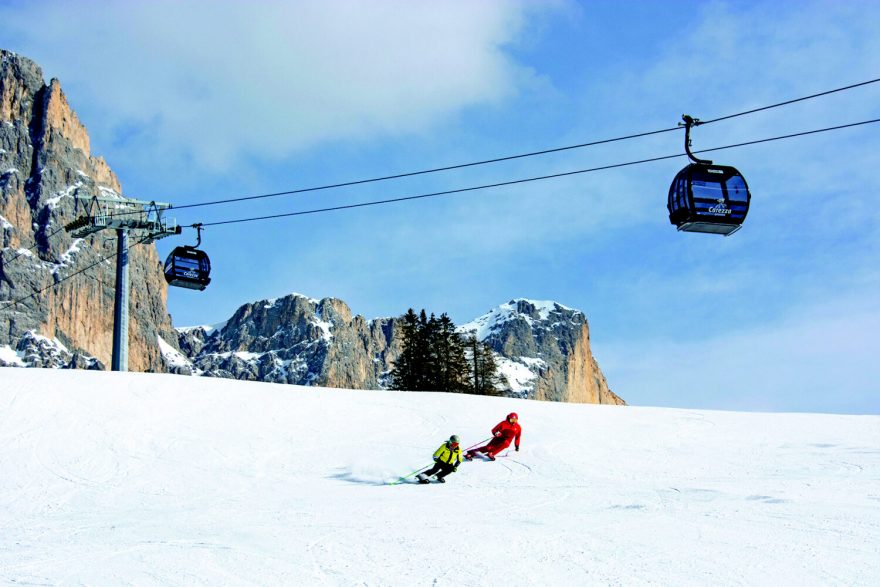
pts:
[512, 416]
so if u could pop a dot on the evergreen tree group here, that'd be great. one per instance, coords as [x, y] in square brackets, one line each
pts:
[434, 357]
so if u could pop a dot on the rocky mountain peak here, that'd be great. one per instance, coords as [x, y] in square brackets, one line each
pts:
[293, 339]
[528, 312]
[542, 348]
[61, 119]
[543, 351]
[20, 81]
[47, 171]
[281, 322]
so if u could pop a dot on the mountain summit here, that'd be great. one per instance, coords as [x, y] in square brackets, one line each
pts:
[544, 351]
[47, 174]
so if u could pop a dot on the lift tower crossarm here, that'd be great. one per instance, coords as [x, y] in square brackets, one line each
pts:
[117, 213]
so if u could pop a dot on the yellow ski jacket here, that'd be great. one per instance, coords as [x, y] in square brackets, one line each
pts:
[447, 454]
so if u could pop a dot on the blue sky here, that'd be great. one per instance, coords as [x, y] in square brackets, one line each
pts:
[197, 101]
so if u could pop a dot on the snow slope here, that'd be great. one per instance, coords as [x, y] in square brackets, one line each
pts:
[109, 478]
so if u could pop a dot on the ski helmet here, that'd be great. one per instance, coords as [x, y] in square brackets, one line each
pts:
[512, 416]
[454, 438]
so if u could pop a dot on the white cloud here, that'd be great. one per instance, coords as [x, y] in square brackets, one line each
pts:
[815, 358]
[216, 80]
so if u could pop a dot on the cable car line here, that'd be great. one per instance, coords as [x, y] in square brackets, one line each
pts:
[787, 102]
[489, 161]
[23, 252]
[516, 156]
[427, 171]
[11, 303]
[531, 179]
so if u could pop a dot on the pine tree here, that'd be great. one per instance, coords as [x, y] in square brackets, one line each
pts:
[489, 376]
[453, 369]
[404, 375]
[484, 380]
[426, 361]
[434, 358]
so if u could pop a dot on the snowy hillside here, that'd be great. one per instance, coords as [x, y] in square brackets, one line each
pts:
[109, 478]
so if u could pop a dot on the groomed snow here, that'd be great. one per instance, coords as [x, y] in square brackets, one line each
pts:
[146, 479]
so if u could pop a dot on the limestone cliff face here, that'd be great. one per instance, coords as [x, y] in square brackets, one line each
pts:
[544, 352]
[46, 173]
[584, 382]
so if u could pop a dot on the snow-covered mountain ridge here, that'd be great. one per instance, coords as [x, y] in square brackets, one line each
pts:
[516, 309]
[132, 478]
[542, 348]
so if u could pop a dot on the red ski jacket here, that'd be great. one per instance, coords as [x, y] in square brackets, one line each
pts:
[504, 432]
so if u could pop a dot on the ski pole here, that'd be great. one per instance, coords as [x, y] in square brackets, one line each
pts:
[473, 445]
[411, 474]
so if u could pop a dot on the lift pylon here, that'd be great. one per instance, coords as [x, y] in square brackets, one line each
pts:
[126, 216]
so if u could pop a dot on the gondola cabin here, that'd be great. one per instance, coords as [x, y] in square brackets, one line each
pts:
[188, 267]
[708, 198]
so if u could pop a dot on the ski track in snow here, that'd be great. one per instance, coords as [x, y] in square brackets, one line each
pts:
[109, 478]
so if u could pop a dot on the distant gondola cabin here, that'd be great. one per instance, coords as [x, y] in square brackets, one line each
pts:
[188, 267]
[708, 198]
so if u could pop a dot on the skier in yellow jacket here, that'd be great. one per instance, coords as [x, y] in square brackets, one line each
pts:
[447, 458]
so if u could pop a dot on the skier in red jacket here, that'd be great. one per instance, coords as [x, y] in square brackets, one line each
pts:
[504, 432]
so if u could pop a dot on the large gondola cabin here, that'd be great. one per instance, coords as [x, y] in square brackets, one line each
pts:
[188, 266]
[707, 198]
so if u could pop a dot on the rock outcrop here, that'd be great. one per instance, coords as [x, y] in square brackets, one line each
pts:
[34, 350]
[542, 348]
[294, 339]
[47, 172]
[544, 352]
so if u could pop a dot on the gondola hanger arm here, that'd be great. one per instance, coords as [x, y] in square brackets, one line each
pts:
[690, 121]
[198, 227]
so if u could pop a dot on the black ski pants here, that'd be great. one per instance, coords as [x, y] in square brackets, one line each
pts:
[439, 469]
